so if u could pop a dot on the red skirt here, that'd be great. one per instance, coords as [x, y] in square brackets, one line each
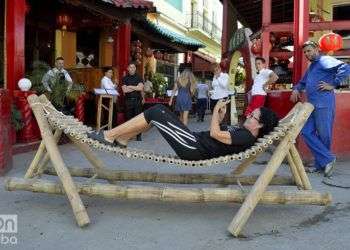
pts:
[256, 101]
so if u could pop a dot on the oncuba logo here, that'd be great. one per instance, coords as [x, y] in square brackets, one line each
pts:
[8, 226]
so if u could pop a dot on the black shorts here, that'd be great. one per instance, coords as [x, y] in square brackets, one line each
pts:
[183, 141]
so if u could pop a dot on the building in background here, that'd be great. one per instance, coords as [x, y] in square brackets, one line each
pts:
[198, 19]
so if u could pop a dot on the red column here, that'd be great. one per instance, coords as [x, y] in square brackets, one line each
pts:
[265, 36]
[224, 42]
[14, 39]
[301, 34]
[122, 52]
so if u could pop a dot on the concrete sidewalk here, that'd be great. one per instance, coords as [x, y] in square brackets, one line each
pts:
[46, 221]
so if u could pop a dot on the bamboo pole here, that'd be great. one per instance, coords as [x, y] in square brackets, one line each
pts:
[84, 148]
[300, 197]
[264, 179]
[42, 165]
[300, 167]
[34, 164]
[123, 175]
[294, 171]
[244, 165]
[57, 161]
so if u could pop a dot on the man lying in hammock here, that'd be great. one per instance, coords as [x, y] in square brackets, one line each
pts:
[219, 141]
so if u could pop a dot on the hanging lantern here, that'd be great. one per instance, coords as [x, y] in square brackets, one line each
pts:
[256, 47]
[158, 55]
[64, 20]
[138, 56]
[27, 8]
[138, 50]
[330, 42]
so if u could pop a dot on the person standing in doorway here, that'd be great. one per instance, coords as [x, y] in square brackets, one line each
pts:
[323, 75]
[219, 86]
[132, 86]
[264, 77]
[186, 86]
[202, 100]
[57, 71]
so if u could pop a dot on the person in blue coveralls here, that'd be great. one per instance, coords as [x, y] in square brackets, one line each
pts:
[323, 75]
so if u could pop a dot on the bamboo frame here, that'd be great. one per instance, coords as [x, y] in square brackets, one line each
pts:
[169, 194]
[57, 161]
[124, 175]
[265, 177]
[249, 199]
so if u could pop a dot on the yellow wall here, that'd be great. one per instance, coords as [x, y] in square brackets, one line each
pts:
[106, 50]
[66, 46]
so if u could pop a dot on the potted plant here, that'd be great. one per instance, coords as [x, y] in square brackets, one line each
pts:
[16, 122]
[159, 84]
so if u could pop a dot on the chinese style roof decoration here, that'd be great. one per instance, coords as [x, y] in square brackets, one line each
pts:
[138, 4]
[173, 37]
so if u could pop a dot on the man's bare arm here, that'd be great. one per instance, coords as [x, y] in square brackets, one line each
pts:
[215, 131]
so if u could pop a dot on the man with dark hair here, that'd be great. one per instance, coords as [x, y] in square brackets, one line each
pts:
[57, 71]
[323, 75]
[220, 140]
[264, 77]
[132, 86]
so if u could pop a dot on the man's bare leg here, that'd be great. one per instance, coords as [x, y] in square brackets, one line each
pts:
[127, 130]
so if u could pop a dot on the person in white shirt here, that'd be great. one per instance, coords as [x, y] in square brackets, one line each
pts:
[106, 81]
[56, 71]
[219, 86]
[202, 100]
[264, 77]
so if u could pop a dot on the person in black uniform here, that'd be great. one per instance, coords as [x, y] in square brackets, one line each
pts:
[132, 86]
[219, 140]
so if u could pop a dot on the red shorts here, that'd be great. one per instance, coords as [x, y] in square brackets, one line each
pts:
[256, 101]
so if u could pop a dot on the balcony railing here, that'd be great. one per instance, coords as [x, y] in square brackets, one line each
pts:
[198, 21]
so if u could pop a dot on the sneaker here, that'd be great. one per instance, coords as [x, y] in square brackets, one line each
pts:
[313, 170]
[329, 169]
[100, 137]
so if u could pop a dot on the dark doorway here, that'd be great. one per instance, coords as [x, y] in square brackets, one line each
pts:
[342, 13]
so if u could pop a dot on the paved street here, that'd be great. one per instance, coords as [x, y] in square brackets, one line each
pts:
[46, 221]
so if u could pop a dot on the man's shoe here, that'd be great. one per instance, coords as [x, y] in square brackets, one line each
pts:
[329, 169]
[313, 170]
[138, 137]
[100, 137]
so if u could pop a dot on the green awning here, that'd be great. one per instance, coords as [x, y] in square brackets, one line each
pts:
[173, 37]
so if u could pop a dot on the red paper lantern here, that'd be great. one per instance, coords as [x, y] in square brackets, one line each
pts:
[330, 42]
[64, 20]
[256, 47]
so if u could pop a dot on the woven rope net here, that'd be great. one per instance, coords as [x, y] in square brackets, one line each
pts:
[76, 129]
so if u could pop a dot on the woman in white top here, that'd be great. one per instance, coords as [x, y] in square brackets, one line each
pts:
[106, 81]
[219, 86]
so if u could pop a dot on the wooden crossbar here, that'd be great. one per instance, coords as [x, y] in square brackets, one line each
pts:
[48, 151]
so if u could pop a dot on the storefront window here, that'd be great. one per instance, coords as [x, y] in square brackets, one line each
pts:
[2, 10]
[88, 48]
[168, 71]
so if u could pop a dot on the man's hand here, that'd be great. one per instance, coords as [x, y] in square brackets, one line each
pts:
[323, 86]
[220, 108]
[295, 96]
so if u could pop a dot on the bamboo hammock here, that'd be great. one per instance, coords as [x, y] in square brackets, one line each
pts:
[49, 120]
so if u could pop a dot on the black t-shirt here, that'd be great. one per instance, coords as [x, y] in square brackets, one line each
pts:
[132, 80]
[242, 139]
